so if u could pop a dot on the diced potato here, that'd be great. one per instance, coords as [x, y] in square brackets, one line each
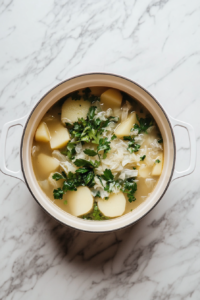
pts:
[59, 135]
[80, 202]
[73, 110]
[42, 133]
[157, 169]
[46, 164]
[124, 128]
[111, 99]
[144, 171]
[114, 206]
[55, 183]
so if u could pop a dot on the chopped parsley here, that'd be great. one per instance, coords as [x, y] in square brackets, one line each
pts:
[89, 130]
[142, 157]
[58, 193]
[104, 145]
[74, 180]
[95, 214]
[132, 146]
[145, 123]
[129, 187]
[90, 152]
[113, 137]
[157, 161]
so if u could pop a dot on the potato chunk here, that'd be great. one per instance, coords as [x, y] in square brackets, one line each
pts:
[157, 169]
[124, 128]
[114, 206]
[80, 202]
[144, 171]
[111, 99]
[46, 164]
[73, 110]
[42, 133]
[59, 135]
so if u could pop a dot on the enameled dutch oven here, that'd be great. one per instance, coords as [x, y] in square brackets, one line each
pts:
[166, 124]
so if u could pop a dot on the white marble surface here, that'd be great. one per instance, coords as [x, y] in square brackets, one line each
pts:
[157, 44]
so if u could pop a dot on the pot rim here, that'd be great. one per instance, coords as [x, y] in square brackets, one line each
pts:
[166, 116]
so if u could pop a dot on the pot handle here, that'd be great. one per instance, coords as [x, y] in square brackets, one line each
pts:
[193, 148]
[5, 129]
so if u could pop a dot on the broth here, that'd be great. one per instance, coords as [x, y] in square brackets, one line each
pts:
[122, 163]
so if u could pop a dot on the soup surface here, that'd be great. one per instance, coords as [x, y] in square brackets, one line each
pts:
[97, 153]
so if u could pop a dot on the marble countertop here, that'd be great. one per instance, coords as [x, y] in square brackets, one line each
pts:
[155, 43]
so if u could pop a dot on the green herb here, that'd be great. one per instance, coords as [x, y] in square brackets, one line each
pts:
[88, 96]
[90, 152]
[157, 161]
[129, 187]
[106, 198]
[132, 146]
[142, 157]
[134, 168]
[70, 150]
[58, 194]
[104, 145]
[57, 176]
[65, 202]
[113, 137]
[95, 214]
[86, 163]
[98, 195]
[107, 175]
[89, 130]
[145, 123]
[83, 170]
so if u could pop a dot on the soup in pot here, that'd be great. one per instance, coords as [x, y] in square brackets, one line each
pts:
[97, 153]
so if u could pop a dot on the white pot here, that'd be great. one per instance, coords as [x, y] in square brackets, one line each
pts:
[165, 122]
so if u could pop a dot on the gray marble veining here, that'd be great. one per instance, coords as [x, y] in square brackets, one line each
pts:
[155, 43]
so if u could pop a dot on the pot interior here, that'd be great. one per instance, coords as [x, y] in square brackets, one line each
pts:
[111, 81]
